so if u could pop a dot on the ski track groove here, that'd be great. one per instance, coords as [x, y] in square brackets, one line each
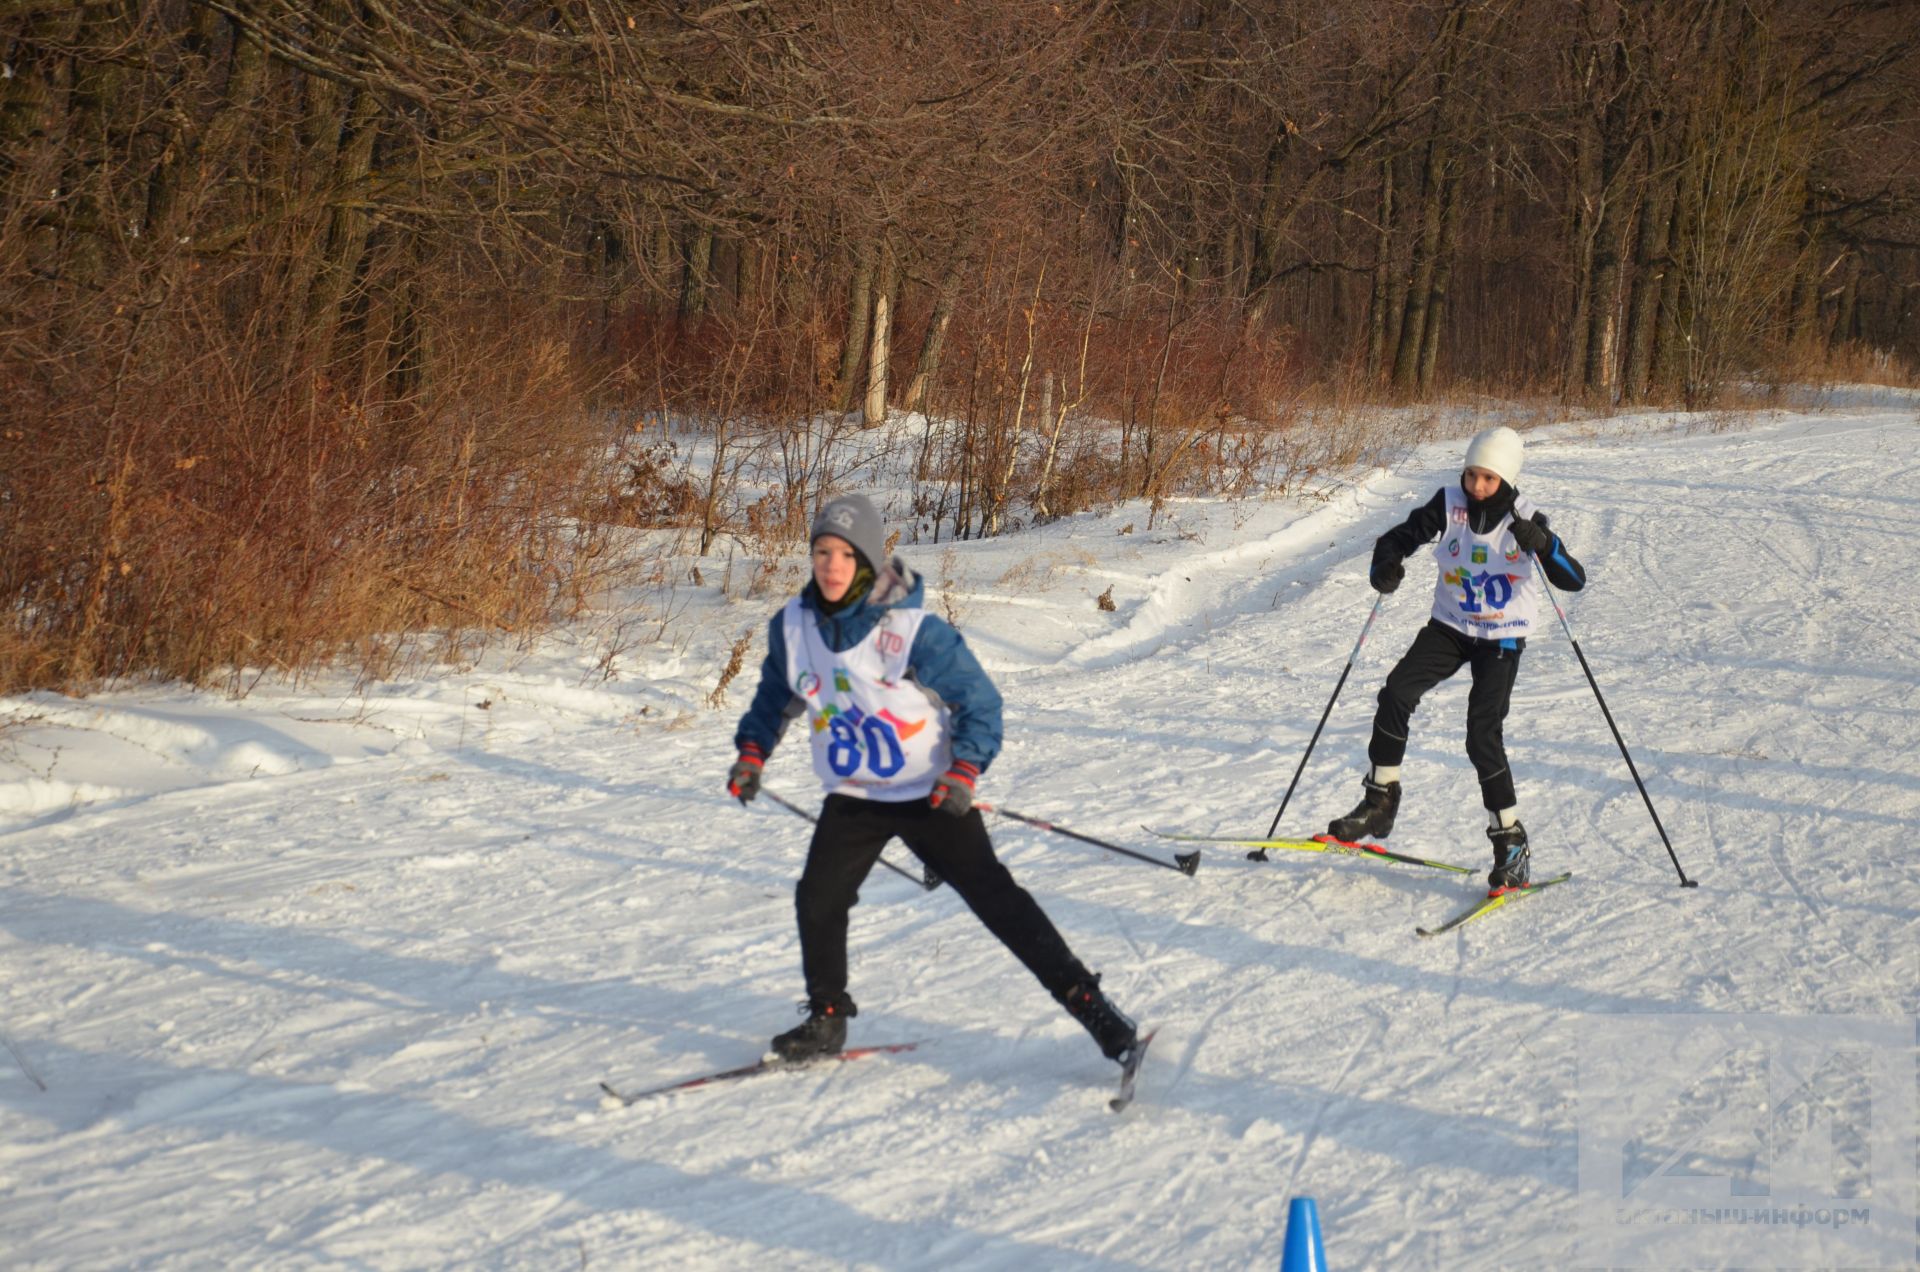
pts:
[348, 1015]
[1377, 1030]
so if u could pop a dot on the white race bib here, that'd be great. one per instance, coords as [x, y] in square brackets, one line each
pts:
[1488, 587]
[875, 734]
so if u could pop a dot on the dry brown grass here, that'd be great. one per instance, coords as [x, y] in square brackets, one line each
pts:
[184, 512]
[1851, 363]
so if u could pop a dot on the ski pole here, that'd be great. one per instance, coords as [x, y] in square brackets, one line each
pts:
[1185, 862]
[1617, 739]
[928, 879]
[1338, 686]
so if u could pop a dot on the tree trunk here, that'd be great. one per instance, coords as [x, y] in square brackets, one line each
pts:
[1397, 280]
[1603, 305]
[1803, 306]
[879, 346]
[1280, 204]
[1650, 263]
[1598, 376]
[859, 314]
[307, 159]
[746, 282]
[1442, 280]
[660, 262]
[1847, 308]
[724, 272]
[89, 228]
[1056, 420]
[347, 233]
[30, 91]
[1382, 295]
[1269, 232]
[996, 501]
[1426, 250]
[697, 281]
[920, 388]
[1673, 325]
[1233, 257]
[32, 101]
[1586, 200]
[178, 140]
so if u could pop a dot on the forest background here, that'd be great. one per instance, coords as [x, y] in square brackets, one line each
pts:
[325, 325]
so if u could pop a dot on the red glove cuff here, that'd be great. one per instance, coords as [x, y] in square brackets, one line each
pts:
[750, 753]
[964, 771]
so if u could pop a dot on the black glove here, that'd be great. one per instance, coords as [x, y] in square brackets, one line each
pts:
[743, 779]
[1386, 574]
[953, 792]
[1533, 536]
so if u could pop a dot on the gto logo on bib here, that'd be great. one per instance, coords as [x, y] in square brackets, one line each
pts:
[890, 644]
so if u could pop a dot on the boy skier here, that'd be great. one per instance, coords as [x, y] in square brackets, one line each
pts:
[903, 722]
[1494, 546]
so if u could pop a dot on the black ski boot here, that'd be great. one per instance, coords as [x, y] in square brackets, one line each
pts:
[822, 1033]
[1373, 815]
[1114, 1032]
[1511, 861]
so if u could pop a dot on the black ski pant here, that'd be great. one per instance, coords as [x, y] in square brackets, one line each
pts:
[847, 841]
[1436, 653]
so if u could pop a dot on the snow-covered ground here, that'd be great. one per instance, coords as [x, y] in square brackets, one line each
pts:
[324, 979]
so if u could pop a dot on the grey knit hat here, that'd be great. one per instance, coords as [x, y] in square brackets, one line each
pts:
[855, 519]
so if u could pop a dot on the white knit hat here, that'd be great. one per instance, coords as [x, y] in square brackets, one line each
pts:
[1498, 450]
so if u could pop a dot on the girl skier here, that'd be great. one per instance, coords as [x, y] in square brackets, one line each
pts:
[903, 722]
[1494, 546]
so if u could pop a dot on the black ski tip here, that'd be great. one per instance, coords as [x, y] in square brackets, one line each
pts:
[1187, 861]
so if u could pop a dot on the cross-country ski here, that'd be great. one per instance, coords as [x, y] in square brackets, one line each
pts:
[765, 1064]
[1493, 901]
[1318, 843]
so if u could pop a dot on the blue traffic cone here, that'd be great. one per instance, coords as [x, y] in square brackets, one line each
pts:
[1304, 1252]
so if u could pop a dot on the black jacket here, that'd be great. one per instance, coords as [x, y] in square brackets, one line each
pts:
[1426, 522]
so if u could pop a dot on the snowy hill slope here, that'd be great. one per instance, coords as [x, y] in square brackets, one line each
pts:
[313, 980]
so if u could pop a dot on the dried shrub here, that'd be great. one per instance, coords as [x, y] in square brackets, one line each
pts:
[655, 490]
[736, 659]
[185, 511]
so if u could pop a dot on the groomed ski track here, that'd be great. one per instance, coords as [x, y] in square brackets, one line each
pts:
[323, 981]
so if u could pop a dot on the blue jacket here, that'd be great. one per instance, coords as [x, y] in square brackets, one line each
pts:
[939, 662]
